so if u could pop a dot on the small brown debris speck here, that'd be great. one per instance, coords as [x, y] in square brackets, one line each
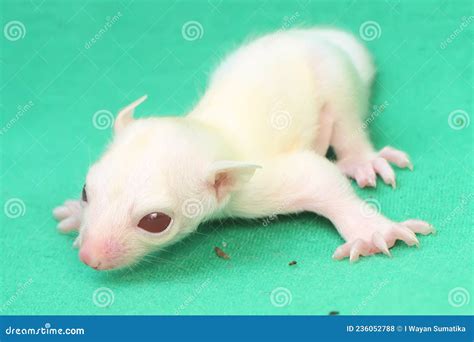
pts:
[334, 313]
[221, 254]
[291, 263]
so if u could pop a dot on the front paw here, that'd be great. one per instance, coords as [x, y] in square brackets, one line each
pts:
[364, 169]
[69, 216]
[379, 236]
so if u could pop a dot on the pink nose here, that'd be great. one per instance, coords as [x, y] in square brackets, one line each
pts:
[87, 258]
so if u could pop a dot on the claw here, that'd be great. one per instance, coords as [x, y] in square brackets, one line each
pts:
[356, 250]
[381, 244]
[342, 251]
[420, 227]
[77, 242]
[366, 177]
[406, 235]
[383, 168]
[396, 157]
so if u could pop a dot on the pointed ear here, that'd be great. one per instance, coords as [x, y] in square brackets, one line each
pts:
[227, 176]
[125, 116]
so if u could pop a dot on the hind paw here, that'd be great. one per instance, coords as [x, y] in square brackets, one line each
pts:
[364, 169]
[380, 237]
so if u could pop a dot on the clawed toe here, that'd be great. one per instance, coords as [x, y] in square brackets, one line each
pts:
[381, 244]
[364, 169]
[385, 171]
[365, 176]
[360, 247]
[396, 157]
[419, 227]
[406, 235]
[380, 241]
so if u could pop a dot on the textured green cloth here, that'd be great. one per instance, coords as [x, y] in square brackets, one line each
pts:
[57, 78]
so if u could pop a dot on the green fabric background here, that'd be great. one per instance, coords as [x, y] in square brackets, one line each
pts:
[46, 152]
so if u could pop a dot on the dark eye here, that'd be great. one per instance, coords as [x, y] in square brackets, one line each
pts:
[155, 222]
[84, 193]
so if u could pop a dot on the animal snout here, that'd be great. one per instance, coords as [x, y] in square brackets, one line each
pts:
[87, 257]
[101, 255]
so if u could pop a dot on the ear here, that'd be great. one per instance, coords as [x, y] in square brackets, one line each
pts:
[125, 116]
[227, 176]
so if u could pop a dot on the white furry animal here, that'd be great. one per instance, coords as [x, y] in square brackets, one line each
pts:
[254, 146]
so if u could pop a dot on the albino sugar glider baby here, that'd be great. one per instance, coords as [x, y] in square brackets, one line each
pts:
[254, 146]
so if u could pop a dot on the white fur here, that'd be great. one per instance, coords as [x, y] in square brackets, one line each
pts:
[273, 104]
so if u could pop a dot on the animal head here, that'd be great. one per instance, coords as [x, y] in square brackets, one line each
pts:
[156, 182]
